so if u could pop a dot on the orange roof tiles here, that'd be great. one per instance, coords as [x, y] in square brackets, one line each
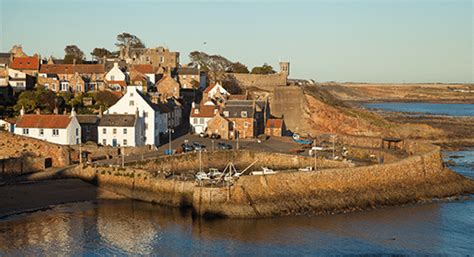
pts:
[274, 123]
[72, 68]
[143, 68]
[43, 121]
[205, 111]
[25, 63]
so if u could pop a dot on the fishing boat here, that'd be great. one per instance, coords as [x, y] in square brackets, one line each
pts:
[265, 171]
[298, 139]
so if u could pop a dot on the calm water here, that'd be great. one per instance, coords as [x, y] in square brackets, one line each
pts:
[430, 108]
[136, 228]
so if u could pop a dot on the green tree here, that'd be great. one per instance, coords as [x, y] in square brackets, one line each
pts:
[127, 40]
[238, 67]
[265, 69]
[27, 100]
[99, 53]
[73, 53]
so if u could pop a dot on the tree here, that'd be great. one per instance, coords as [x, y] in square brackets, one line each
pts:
[99, 53]
[127, 40]
[232, 85]
[265, 69]
[73, 53]
[26, 100]
[238, 67]
[105, 98]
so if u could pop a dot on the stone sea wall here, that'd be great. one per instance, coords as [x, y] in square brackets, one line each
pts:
[421, 176]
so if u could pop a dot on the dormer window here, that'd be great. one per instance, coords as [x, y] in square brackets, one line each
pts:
[196, 111]
[226, 113]
[243, 114]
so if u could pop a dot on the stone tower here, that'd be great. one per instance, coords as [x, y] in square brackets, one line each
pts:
[285, 68]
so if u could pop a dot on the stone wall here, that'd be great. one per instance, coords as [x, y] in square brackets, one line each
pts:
[265, 82]
[15, 166]
[289, 102]
[418, 177]
[15, 146]
[241, 159]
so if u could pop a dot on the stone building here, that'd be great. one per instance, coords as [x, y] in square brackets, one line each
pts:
[200, 115]
[157, 57]
[275, 127]
[168, 87]
[93, 75]
[247, 117]
[190, 78]
[219, 125]
[28, 65]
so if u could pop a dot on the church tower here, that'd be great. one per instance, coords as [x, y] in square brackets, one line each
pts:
[285, 68]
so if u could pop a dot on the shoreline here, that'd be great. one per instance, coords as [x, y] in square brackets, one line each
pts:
[31, 196]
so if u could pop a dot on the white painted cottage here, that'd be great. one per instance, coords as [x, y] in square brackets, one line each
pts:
[200, 115]
[155, 121]
[54, 128]
[121, 130]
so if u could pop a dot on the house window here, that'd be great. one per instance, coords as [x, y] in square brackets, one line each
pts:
[131, 103]
[77, 132]
[55, 132]
[201, 121]
[54, 87]
[104, 131]
[145, 114]
[246, 124]
[20, 84]
[124, 131]
[16, 75]
[41, 132]
[77, 141]
[131, 94]
[195, 121]
[243, 114]
[26, 131]
[114, 131]
[112, 77]
[78, 88]
[64, 86]
[125, 142]
[162, 59]
[146, 126]
[104, 141]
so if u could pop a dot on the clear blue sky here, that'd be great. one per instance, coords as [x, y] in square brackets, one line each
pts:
[364, 40]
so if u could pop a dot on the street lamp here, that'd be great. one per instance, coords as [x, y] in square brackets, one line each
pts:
[169, 130]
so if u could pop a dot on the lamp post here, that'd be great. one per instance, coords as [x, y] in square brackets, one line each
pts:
[169, 130]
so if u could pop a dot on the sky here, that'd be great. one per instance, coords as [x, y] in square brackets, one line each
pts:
[339, 40]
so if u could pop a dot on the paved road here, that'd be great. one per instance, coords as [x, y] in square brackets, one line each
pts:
[281, 145]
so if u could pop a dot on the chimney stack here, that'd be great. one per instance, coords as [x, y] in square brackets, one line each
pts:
[38, 111]
[56, 110]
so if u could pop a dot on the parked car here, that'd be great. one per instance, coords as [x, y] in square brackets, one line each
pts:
[187, 147]
[198, 146]
[224, 146]
[215, 136]
[202, 134]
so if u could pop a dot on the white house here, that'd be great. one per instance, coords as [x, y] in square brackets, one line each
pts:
[200, 115]
[115, 74]
[155, 121]
[54, 128]
[8, 124]
[17, 80]
[121, 130]
[215, 91]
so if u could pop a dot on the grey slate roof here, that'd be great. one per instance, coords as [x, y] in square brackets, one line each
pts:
[87, 119]
[117, 120]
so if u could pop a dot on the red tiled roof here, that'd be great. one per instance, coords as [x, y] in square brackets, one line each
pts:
[209, 88]
[118, 82]
[274, 123]
[72, 68]
[205, 111]
[25, 63]
[43, 121]
[143, 68]
[117, 93]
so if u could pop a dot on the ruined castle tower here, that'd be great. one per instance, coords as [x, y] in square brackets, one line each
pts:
[285, 68]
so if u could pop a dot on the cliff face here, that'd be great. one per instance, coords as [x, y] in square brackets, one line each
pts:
[313, 110]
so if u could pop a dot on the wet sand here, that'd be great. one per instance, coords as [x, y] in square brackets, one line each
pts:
[34, 195]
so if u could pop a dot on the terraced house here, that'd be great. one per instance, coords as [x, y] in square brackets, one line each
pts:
[72, 77]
